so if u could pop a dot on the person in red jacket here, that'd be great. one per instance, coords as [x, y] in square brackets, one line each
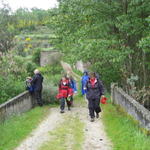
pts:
[64, 92]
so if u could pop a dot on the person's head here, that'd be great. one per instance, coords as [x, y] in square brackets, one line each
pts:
[92, 75]
[85, 72]
[71, 78]
[63, 78]
[36, 71]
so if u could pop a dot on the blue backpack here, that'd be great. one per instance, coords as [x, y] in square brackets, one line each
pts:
[29, 87]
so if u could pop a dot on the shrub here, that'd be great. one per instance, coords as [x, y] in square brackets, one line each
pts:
[30, 66]
[10, 87]
[51, 69]
[55, 78]
[36, 56]
[143, 97]
[49, 91]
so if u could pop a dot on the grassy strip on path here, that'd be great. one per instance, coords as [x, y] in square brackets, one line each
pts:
[123, 131]
[14, 130]
[69, 135]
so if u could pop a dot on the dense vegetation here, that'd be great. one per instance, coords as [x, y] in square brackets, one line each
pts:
[24, 35]
[113, 36]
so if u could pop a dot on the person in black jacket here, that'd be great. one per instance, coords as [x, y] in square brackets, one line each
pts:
[95, 91]
[37, 81]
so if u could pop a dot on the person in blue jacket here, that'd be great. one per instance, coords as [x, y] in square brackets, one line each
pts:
[73, 87]
[84, 79]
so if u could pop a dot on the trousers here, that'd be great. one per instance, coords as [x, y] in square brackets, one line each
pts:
[94, 106]
[62, 103]
[38, 97]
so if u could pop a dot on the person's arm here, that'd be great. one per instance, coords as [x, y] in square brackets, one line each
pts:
[82, 82]
[59, 86]
[74, 86]
[86, 86]
[42, 78]
[101, 87]
[33, 79]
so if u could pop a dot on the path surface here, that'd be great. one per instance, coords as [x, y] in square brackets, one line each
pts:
[40, 134]
[95, 137]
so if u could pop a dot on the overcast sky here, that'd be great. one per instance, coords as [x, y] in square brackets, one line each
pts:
[43, 4]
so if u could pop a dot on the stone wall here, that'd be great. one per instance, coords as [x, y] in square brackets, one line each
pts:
[131, 106]
[16, 105]
[49, 57]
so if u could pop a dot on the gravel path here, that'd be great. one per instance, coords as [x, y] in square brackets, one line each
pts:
[41, 133]
[95, 137]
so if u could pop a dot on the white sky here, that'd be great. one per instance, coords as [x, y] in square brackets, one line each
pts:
[42, 4]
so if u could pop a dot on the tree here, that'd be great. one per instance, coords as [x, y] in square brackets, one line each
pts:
[7, 29]
[105, 33]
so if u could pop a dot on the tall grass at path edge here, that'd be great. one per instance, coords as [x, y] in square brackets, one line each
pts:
[14, 130]
[122, 130]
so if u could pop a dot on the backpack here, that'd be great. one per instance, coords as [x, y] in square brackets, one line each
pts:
[29, 87]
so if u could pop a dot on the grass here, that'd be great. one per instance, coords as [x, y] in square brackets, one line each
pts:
[69, 135]
[123, 131]
[14, 130]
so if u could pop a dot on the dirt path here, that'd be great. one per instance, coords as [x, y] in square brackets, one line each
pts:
[40, 134]
[95, 137]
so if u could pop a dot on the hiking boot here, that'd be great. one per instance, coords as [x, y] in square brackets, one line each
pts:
[69, 108]
[92, 119]
[62, 111]
[97, 115]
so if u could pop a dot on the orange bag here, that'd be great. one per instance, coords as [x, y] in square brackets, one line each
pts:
[103, 100]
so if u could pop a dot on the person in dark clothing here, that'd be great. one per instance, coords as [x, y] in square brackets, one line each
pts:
[37, 81]
[95, 91]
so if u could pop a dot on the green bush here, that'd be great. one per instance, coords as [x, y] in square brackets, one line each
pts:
[10, 87]
[30, 66]
[51, 69]
[49, 91]
[36, 56]
[55, 78]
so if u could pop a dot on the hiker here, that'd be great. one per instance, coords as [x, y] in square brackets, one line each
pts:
[37, 81]
[95, 91]
[84, 79]
[65, 91]
[73, 87]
